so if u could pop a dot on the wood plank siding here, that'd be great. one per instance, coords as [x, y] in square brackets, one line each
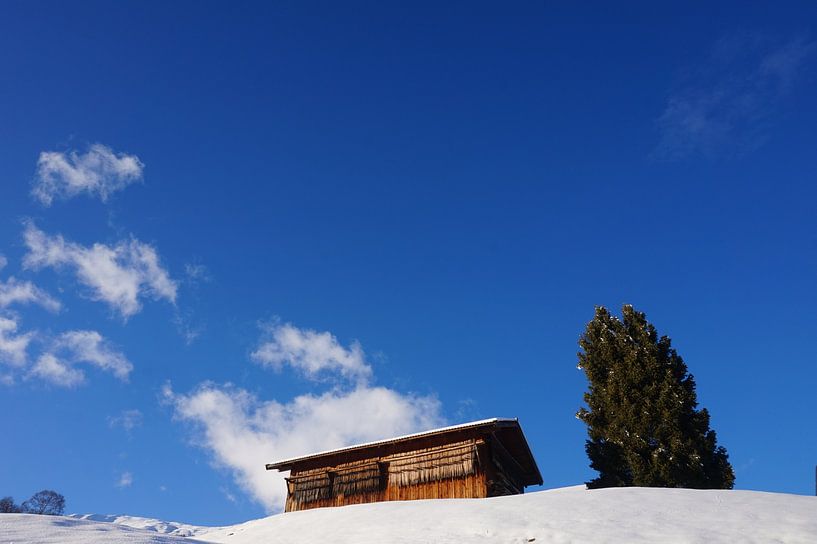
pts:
[477, 460]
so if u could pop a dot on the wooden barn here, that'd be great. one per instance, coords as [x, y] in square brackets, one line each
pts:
[480, 459]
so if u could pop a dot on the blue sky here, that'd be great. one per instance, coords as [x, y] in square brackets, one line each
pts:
[242, 231]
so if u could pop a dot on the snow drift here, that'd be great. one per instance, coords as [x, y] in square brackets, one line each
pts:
[569, 515]
[149, 524]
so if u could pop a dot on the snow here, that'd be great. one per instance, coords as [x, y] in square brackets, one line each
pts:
[149, 524]
[568, 515]
[31, 528]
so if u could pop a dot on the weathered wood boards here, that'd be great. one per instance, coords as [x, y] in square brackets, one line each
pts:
[480, 459]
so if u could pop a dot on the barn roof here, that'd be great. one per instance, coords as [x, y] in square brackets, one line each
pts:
[508, 430]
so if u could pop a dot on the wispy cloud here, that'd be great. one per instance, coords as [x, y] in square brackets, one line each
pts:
[119, 275]
[314, 354]
[57, 365]
[98, 172]
[726, 104]
[90, 347]
[13, 291]
[186, 328]
[188, 322]
[197, 273]
[467, 409]
[227, 495]
[125, 480]
[127, 420]
[56, 372]
[13, 345]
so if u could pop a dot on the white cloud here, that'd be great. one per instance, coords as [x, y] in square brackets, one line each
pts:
[227, 495]
[25, 292]
[127, 419]
[783, 64]
[197, 273]
[244, 433]
[3, 262]
[99, 172]
[189, 331]
[311, 352]
[52, 370]
[90, 347]
[13, 347]
[125, 480]
[728, 102]
[57, 364]
[118, 275]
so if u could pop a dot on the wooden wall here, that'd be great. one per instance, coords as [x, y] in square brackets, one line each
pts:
[452, 471]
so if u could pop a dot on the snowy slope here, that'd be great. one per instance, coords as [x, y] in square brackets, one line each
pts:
[569, 515]
[565, 515]
[29, 528]
[149, 524]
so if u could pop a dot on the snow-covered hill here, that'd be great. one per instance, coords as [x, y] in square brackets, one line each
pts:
[569, 515]
[155, 525]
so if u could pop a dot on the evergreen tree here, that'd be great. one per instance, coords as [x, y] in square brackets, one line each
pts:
[642, 419]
